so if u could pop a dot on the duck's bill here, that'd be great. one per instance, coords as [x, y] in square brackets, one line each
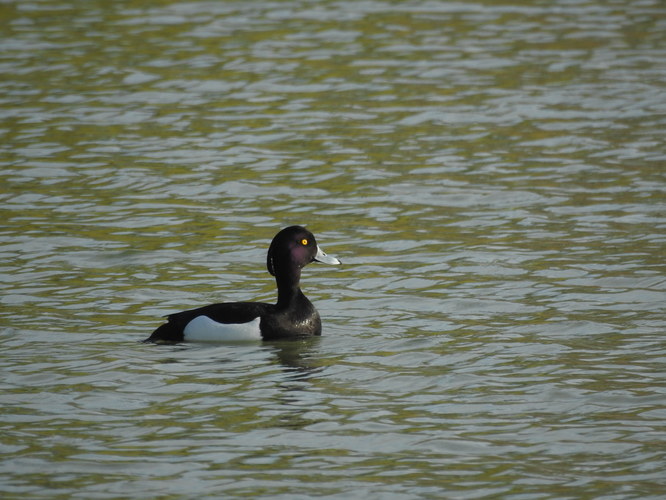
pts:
[325, 259]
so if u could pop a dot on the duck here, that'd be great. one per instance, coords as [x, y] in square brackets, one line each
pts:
[292, 316]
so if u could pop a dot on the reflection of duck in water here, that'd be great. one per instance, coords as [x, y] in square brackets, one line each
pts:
[293, 315]
[298, 359]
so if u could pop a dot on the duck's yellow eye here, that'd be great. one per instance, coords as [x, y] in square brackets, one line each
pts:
[304, 241]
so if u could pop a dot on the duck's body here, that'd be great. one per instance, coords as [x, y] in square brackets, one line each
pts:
[292, 316]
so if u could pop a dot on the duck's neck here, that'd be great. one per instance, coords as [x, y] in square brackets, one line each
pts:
[288, 285]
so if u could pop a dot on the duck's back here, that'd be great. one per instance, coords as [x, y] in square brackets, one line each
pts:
[214, 322]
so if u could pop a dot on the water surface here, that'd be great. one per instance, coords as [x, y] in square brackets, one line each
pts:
[490, 173]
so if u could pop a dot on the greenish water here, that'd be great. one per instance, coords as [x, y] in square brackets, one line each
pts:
[490, 173]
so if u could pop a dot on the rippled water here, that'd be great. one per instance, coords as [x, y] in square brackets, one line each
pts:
[491, 174]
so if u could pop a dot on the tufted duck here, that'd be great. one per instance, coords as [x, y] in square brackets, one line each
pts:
[293, 316]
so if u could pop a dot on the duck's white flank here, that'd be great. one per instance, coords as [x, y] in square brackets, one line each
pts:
[204, 329]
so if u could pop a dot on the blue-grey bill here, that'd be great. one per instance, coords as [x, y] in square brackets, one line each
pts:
[325, 259]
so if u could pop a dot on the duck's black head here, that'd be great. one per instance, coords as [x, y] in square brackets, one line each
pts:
[292, 249]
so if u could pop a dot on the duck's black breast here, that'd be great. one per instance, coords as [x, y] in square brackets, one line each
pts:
[300, 319]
